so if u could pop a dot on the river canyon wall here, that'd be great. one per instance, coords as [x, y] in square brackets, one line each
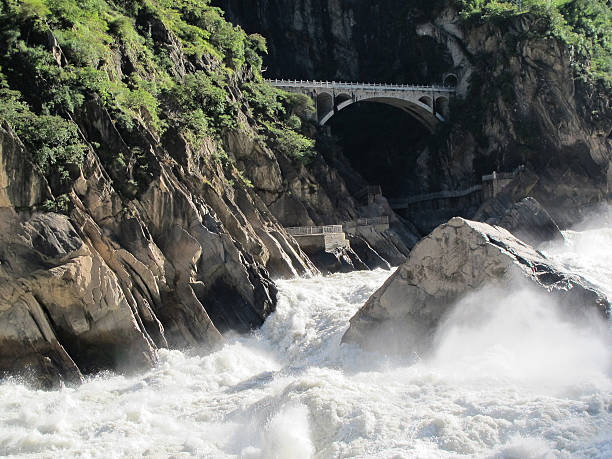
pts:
[145, 190]
[144, 228]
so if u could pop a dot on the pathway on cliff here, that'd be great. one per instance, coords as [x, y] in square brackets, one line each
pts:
[526, 384]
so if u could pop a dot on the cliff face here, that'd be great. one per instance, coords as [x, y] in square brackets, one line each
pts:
[105, 285]
[524, 105]
[519, 101]
[344, 39]
[126, 228]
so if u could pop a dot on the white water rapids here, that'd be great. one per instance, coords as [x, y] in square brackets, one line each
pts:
[507, 379]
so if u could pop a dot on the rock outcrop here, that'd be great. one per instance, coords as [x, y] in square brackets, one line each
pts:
[459, 257]
[530, 222]
[526, 218]
[526, 106]
[116, 279]
[61, 307]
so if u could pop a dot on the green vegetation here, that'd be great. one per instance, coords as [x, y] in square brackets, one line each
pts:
[54, 141]
[280, 114]
[154, 66]
[585, 25]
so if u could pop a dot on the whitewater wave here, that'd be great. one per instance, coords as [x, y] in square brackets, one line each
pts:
[509, 377]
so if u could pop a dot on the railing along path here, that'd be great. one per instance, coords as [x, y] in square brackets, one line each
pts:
[395, 203]
[313, 230]
[331, 229]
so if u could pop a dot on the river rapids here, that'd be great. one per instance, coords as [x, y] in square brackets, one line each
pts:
[517, 381]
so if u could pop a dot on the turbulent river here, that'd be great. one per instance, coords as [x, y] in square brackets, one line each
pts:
[515, 381]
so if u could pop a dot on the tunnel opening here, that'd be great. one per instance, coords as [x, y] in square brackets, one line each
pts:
[382, 144]
[450, 80]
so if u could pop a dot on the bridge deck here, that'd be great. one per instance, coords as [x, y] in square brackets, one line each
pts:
[364, 86]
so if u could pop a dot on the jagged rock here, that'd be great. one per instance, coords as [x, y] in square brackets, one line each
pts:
[367, 254]
[525, 218]
[116, 279]
[457, 258]
[386, 243]
[530, 222]
[62, 309]
[339, 260]
[495, 207]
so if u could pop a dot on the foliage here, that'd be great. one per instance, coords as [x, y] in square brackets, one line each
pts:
[290, 143]
[300, 105]
[60, 204]
[591, 21]
[54, 141]
[155, 66]
[265, 100]
[202, 106]
[584, 25]
[280, 114]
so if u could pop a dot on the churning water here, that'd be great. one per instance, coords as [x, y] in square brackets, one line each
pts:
[508, 378]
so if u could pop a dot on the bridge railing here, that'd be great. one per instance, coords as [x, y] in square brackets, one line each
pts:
[373, 221]
[313, 230]
[503, 175]
[399, 203]
[353, 85]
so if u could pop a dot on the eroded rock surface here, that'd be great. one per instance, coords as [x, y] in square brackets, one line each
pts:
[530, 222]
[61, 307]
[526, 219]
[459, 257]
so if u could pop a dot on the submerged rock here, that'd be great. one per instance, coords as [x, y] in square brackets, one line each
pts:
[459, 257]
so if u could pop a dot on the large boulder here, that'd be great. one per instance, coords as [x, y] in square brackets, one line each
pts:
[457, 258]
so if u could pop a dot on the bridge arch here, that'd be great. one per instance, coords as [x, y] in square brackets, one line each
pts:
[427, 101]
[343, 97]
[422, 109]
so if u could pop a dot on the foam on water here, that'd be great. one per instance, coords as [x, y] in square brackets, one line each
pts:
[508, 377]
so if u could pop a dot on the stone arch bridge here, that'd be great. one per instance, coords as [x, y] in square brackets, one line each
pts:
[428, 104]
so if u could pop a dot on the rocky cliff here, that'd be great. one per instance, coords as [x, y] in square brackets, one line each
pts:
[524, 96]
[144, 183]
[147, 171]
[523, 104]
